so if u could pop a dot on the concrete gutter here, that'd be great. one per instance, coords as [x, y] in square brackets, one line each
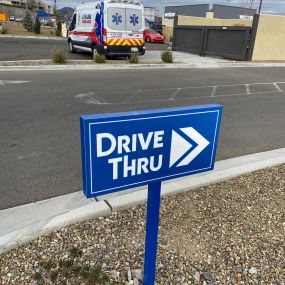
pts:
[32, 37]
[44, 65]
[22, 224]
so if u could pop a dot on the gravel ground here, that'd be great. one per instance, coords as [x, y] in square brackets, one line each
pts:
[228, 233]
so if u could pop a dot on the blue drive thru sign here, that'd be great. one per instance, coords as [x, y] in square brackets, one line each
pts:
[126, 150]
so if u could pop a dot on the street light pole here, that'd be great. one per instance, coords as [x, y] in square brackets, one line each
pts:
[260, 5]
[55, 7]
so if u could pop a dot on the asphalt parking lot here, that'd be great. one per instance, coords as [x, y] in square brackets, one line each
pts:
[35, 49]
[39, 117]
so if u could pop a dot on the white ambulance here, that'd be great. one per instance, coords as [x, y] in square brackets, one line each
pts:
[110, 27]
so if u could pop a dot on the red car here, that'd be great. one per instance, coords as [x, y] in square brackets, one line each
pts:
[153, 36]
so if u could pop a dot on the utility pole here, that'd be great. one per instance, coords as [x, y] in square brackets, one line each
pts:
[260, 6]
[228, 2]
[55, 7]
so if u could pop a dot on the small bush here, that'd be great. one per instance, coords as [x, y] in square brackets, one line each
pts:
[4, 30]
[66, 271]
[28, 22]
[167, 56]
[100, 58]
[37, 26]
[58, 56]
[37, 276]
[134, 58]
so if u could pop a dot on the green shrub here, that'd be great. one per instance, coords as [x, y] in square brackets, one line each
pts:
[58, 28]
[37, 26]
[167, 56]
[58, 56]
[28, 22]
[37, 276]
[4, 30]
[134, 58]
[65, 271]
[100, 58]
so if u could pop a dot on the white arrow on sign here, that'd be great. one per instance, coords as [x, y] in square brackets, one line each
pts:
[179, 146]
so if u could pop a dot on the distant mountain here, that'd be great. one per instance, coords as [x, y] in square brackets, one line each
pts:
[66, 11]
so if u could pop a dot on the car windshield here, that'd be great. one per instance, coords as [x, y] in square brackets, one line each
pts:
[152, 32]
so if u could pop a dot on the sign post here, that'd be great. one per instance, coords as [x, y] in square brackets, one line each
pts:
[152, 222]
[127, 150]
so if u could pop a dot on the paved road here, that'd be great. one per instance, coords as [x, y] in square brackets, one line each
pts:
[39, 119]
[32, 49]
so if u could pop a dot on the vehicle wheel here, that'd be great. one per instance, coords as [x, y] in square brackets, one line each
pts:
[94, 51]
[71, 47]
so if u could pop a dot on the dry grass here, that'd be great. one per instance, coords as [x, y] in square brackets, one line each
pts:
[18, 29]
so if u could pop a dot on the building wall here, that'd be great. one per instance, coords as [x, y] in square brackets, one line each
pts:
[197, 21]
[13, 11]
[149, 14]
[14, 4]
[167, 27]
[189, 10]
[168, 22]
[231, 12]
[7, 2]
[270, 39]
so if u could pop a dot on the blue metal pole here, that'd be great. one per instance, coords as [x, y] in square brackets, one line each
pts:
[152, 222]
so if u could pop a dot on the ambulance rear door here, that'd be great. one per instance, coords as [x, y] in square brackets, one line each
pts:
[124, 22]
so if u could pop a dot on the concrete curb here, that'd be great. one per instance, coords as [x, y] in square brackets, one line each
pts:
[33, 37]
[22, 224]
[94, 67]
[224, 170]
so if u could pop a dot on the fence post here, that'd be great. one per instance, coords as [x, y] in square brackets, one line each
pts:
[253, 36]
[174, 32]
[204, 40]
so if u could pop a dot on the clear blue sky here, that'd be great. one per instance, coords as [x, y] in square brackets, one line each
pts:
[269, 6]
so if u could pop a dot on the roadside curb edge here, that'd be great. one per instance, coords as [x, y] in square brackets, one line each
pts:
[74, 208]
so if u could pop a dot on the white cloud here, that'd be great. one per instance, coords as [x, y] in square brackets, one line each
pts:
[269, 6]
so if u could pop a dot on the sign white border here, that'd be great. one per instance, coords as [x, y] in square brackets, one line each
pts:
[162, 178]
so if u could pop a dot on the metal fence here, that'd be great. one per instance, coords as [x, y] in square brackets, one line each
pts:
[226, 42]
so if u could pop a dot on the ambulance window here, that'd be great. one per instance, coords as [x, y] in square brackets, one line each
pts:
[134, 20]
[116, 18]
[73, 23]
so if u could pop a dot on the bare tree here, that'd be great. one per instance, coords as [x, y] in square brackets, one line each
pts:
[31, 4]
[249, 3]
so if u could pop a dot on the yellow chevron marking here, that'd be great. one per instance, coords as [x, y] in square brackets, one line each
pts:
[113, 42]
[125, 42]
[119, 42]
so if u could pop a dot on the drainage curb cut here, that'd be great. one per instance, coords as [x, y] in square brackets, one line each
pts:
[22, 224]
